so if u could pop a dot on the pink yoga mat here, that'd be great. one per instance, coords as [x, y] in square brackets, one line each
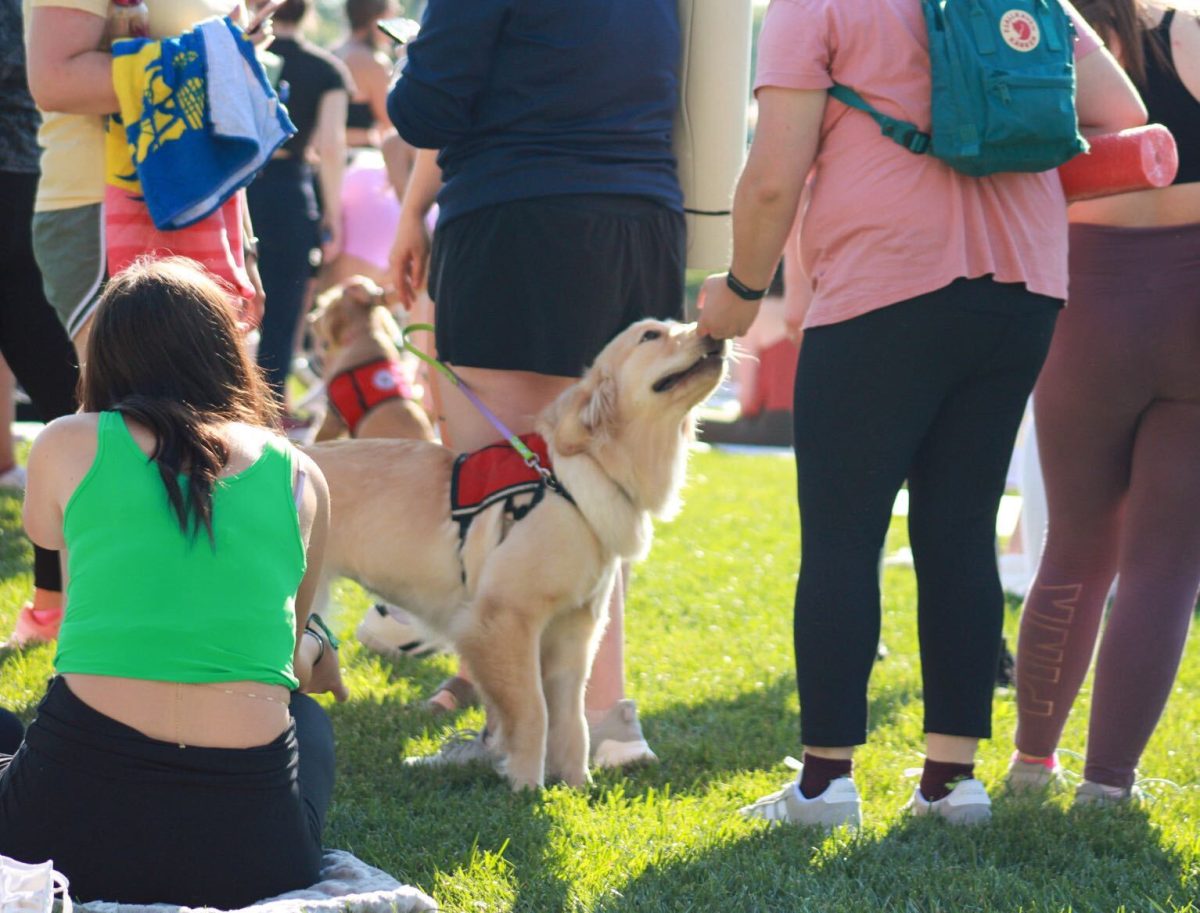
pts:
[1136, 159]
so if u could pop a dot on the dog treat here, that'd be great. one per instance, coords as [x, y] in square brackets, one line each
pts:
[1137, 159]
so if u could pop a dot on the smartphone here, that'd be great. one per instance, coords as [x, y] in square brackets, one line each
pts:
[399, 29]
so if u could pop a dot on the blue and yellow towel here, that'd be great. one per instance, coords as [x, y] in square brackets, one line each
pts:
[197, 120]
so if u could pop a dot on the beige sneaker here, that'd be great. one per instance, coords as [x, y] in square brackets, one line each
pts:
[1026, 777]
[617, 740]
[1091, 793]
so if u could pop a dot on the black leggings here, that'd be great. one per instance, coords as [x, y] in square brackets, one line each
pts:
[131, 819]
[931, 390]
[11, 732]
[32, 340]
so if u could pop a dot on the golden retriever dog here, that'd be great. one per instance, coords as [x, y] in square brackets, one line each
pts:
[523, 596]
[367, 387]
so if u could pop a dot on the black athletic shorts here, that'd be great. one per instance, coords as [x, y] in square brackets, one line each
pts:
[543, 284]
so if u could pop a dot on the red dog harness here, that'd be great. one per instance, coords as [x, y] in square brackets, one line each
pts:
[356, 391]
[498, 473]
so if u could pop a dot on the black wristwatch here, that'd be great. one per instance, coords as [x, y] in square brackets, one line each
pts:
[742, 290]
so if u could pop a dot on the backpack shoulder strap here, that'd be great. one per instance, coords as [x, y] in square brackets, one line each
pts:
[901, 131]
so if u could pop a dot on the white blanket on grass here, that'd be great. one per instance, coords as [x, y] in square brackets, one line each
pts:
[347, 885]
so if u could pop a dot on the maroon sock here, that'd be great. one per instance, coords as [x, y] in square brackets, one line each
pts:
[818, 773]
[938, 777]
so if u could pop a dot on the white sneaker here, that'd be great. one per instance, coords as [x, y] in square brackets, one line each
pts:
[838, 806]
[617, 740]
[966, 804]
[388, 631]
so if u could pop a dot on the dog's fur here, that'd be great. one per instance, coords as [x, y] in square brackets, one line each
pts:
[525, 602]
[352, 326]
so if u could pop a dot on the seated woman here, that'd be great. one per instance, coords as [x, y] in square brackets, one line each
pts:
[175, 757]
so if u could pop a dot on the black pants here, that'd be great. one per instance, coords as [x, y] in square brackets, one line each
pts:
[11, 732]
[132, 819]
[931, 390]
[32, 340]
[283, 208]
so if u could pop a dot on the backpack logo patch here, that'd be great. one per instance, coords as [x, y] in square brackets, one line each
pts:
[1019, 30]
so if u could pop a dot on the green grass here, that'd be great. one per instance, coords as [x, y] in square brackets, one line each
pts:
[710, 663]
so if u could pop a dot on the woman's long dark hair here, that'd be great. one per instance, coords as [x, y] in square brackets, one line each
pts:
[165, 350]
[1126, 20]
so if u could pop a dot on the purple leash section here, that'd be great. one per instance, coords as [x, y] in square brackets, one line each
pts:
[530, 458]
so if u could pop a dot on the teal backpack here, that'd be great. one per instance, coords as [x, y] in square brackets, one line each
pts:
[1003, 74]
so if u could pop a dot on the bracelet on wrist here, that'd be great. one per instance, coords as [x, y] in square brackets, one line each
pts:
[742, 290]
[320, 643]
[315, 619]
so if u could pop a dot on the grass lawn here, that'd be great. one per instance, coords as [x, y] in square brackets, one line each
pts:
[710, 663]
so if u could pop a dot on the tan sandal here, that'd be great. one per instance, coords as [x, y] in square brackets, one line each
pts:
[462, 691]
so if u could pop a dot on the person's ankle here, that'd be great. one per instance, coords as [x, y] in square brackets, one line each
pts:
[938, 778]
[819, 772]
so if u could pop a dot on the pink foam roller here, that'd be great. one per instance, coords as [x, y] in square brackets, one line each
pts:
[1137, 159]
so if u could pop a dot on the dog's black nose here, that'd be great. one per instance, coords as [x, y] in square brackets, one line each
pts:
[714, 346]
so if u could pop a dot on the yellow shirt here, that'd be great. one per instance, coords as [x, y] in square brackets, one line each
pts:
[73, 144]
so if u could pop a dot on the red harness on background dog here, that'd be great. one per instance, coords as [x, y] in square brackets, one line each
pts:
[356, 391]
[499, 473]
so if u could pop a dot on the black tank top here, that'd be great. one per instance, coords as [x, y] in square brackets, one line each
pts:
[360, 115]
[1169, 102]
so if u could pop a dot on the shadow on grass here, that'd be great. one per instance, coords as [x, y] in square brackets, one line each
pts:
[1033, 858]
[700, 743]
[467, 819]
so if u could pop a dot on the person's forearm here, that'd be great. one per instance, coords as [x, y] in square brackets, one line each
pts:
[423, 184]
[764, 208]
[332, 170]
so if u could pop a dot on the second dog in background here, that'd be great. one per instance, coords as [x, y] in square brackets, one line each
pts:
[368, 387]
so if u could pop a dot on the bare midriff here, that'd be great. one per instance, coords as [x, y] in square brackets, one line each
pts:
[1178, 204]
[207, 715]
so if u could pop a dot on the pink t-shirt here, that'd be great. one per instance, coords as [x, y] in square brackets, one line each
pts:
[883, 224]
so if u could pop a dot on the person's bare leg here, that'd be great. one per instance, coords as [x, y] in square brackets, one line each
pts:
[953, 749]
[606, 685]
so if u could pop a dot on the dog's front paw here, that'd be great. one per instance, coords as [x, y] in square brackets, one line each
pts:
[575, 777]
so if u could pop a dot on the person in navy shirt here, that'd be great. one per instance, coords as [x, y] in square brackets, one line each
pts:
[560, 223]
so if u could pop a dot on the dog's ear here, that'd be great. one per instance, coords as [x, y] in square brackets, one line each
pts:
[363, 292]
[589, 411]
[327, 319]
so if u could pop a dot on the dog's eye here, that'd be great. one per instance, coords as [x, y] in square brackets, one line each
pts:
[648, 335]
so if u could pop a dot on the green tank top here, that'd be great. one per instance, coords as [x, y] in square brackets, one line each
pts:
[146, 600]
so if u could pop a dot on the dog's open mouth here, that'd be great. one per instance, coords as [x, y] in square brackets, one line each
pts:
[709, 359]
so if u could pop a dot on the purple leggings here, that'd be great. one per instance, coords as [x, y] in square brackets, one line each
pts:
[1117, 408]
